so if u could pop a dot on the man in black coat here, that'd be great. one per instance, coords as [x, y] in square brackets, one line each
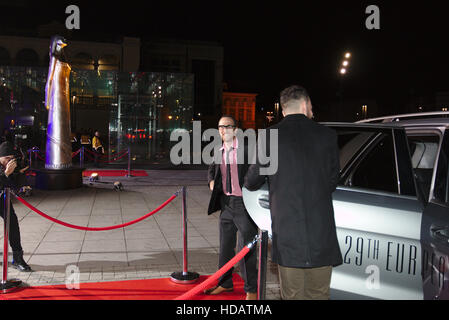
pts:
[304, 237]
[225, 181]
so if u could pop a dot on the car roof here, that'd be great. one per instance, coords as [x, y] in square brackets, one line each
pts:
[424, 119]
[434, 122]
[360, 125]
[392, 125]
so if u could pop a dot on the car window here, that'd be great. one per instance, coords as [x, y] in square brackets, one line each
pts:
[423, 151]
[441, 188]
[377, 169]
[349, 143]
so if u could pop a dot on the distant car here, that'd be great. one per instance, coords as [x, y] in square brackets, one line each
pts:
[391, 208]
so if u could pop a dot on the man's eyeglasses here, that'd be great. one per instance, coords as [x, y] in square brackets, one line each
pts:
[229, 126]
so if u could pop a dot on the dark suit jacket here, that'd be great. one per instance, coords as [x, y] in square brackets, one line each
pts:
[214, 173]
[303, 225]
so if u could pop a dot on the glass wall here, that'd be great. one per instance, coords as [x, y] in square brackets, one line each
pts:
[148, 108]
[22, 104]
[138, 110]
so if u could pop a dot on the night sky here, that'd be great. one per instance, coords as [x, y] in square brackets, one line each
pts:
[270, 45]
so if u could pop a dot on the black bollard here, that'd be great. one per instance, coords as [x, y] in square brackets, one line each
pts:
[262, 276]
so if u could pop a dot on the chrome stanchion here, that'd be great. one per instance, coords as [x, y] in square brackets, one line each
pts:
[33, 151]
[7, 285]
[30, 157]
[262, 274]
[82, 157]
[129, 163]
[184, 277]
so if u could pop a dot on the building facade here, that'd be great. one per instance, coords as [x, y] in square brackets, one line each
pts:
[202, 59]
[242, 106]
[87, 55]
[129, 107]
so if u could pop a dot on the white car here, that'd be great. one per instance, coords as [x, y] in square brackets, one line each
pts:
[391, 208]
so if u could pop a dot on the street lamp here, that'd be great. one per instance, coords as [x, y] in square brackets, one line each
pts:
[343, 71]
[364, 110]
[345, 63]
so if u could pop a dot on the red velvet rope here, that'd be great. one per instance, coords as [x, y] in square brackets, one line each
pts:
[116, 158]
[203, 285]
[39, 156]
[75, 153]
[89, 151]
[88, 156]
[95, 229]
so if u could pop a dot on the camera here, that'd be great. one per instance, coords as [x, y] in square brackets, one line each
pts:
[18, 177]
[20, 163]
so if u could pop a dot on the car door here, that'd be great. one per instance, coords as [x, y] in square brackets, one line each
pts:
[435, 230]
[378, 216]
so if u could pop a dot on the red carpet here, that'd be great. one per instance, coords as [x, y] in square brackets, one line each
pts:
[115, 173]
[151, 289]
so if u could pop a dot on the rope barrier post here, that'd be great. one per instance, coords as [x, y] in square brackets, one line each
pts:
[262, 276]
[6, 285]
[129, 163]
[30, 157]
[82, 157]
[184, 277]
[212, 279]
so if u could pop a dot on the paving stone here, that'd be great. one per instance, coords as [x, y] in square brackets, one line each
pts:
[151, 248]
